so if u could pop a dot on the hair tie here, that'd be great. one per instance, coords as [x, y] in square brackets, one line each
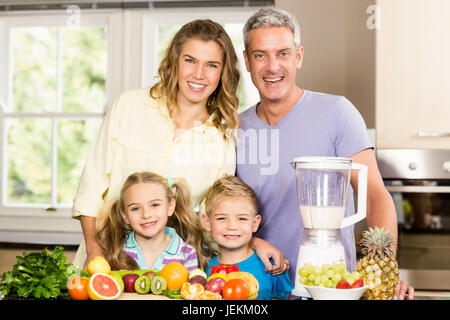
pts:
[118, 197]
[170, 182]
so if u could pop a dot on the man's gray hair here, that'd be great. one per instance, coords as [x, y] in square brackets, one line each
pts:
[272, 17]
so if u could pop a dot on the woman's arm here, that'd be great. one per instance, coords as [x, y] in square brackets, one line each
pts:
[92, 247]
[94, 181]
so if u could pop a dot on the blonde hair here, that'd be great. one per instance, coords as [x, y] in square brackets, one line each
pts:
[112, 231]
[229, 187]
[224, 100]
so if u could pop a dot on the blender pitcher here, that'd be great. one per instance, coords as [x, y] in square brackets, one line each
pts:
[323, 186]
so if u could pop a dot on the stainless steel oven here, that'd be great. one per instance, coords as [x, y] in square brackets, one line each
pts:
[419, 182]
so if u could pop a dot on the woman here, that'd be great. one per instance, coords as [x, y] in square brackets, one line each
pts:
[180, 128]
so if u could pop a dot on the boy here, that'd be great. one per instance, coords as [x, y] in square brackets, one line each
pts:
[231, 217]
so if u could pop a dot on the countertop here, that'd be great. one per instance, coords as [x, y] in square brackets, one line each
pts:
[418, 295]
[431, 295]
[136, 296]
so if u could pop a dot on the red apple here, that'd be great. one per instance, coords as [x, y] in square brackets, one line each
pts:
[215, 285]
[343, 285]
[128, 280]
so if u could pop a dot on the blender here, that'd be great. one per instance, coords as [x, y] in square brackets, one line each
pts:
[323, 185]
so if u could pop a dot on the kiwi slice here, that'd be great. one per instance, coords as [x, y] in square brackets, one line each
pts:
[142, 284]
[158, 285]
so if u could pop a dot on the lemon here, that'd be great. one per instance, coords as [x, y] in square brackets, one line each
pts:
[98, 265]
[119, 279]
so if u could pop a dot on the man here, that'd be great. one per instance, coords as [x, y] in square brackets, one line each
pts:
[293, 122]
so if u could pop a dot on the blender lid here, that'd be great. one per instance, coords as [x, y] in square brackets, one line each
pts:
[322, 162]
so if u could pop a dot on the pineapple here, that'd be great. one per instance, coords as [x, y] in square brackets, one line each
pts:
[378, 266]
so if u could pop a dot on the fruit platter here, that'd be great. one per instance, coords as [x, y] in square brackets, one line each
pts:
[173, 281]
[45, 275]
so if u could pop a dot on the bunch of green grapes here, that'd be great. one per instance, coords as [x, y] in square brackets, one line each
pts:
[326, 275]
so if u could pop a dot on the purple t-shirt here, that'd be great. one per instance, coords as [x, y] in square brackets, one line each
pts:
[318, 125]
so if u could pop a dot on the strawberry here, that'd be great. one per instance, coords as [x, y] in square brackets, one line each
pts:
[358, 283]
[343, 285]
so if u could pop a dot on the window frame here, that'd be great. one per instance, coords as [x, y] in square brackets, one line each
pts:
[22, 220]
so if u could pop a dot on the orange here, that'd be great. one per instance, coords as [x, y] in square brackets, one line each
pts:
[98, 265]
[103, 287]
[77, 287]
[208, 295]
[175, 274]
[191, 291]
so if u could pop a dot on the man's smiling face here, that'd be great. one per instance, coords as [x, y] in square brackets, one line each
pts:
[273, 60]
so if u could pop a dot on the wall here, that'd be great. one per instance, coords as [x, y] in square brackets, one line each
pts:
[339, 50]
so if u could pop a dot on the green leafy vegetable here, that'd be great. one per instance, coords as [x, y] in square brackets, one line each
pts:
[39, 275]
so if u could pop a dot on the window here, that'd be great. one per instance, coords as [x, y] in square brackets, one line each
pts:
[58, 93]
[160, 27]
[56, 83]
[54, 93]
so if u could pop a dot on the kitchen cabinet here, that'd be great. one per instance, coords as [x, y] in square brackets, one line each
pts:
[413, 74]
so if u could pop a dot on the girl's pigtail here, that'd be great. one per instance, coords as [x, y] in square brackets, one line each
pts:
[111, 233]
[187, 224]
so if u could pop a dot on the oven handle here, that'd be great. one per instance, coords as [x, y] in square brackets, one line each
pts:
[424, 247]
[419, 189]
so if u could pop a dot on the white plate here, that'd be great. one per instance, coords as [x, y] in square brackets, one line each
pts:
[323, 293]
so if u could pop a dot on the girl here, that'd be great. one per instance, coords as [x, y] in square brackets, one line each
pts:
[151, 224]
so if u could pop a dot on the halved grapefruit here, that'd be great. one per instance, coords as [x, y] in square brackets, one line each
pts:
[103, 287]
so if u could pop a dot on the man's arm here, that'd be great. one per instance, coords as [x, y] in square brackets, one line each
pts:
[380, 206]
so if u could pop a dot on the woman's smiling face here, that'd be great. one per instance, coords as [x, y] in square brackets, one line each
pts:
[199, 70]
[147, 209]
